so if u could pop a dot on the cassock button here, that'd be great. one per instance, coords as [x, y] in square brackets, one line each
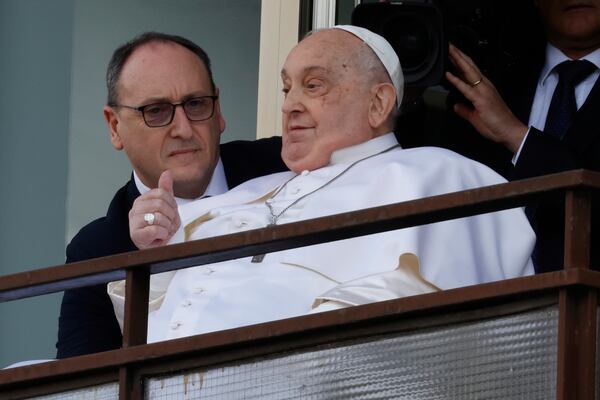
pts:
[305, 172]
[295, 190]
[176, 324]
[198, 290]
[240, 223]
[207, 271]
[186, 303]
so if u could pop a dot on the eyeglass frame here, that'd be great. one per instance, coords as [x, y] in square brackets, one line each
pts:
[141, 109]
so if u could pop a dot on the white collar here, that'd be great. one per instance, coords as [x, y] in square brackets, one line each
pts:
[554, 57]
[362, 150]
[216, 186]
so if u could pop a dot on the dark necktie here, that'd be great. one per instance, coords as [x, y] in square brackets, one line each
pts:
[563, 105]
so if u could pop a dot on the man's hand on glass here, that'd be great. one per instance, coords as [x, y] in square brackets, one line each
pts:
[489, 114]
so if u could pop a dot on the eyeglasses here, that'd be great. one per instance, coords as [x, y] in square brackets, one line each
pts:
[161, 114]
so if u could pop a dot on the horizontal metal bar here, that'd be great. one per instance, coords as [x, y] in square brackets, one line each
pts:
[56, 285]
[303, 233]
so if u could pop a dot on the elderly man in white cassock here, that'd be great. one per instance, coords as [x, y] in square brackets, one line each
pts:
[342, 87]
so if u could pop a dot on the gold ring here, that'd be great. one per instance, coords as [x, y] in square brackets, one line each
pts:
[477, 82]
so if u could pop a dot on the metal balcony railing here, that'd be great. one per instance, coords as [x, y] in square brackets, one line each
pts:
[139, 370]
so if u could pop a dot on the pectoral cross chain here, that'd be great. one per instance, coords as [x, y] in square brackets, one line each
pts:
[259, 257]
[274, 217]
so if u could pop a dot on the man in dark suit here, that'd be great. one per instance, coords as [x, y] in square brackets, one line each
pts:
[535, 132]
[163, 111]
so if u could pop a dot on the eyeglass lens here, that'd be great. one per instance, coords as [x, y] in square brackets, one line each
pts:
[196, 109]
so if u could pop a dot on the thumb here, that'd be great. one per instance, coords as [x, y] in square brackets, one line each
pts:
[165, 182]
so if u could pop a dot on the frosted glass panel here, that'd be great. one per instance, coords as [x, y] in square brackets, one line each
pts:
[510, 357]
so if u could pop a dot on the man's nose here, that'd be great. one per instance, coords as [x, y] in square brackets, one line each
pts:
[292, 102]
[181, 125]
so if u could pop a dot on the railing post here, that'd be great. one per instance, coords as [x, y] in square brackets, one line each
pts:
[578, 305]
[135, 327]
[578, 206]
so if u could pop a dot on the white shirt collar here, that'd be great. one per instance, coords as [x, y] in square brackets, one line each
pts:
[362, 150]
[216, 186]
[554, 57]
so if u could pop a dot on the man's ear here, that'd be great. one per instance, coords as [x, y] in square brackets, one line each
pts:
[383, 101]
[112, 120]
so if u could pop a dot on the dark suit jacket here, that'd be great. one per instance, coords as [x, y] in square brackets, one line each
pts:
[540, 155]
[543, 154]
[87, 322]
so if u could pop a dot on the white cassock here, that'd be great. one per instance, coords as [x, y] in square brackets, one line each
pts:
[360, 270]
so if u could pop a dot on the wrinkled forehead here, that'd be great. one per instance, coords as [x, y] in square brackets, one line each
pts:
[332, 50]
